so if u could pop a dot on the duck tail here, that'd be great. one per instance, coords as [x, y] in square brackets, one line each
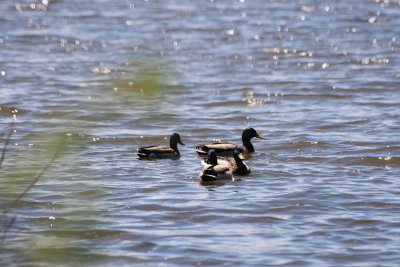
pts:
[208, 177]
[209, 174]
[142, 155]
[202, 150]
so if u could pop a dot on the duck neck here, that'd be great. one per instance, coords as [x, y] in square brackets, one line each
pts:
[213, 160]
[174, 146]
[239, 162]
[248, 146]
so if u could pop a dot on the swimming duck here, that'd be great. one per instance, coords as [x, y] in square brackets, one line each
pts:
[162, 151]
[225, 148]
[238, 167]
[235, 163]
[215, 170]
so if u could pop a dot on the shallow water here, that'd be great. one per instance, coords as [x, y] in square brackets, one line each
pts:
[319, 79]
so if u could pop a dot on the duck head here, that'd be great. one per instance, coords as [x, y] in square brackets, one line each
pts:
[175, 140]
[250, 133]
[238, 152]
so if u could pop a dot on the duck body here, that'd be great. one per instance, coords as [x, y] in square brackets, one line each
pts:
[217, 172]
[157, 152]
[220, 148]
[227, 149]
[235, 163]
[162, 151]
[215, 169]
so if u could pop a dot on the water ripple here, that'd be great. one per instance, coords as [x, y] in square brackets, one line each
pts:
[319, 81]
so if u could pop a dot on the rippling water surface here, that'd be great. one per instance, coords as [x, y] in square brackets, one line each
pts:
[319, 79]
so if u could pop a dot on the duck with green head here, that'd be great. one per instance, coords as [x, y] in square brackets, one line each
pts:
[162, 151]
[225, 148]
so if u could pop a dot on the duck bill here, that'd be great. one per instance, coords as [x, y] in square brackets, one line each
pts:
[241, 156]
[261, 137]
[180, 142]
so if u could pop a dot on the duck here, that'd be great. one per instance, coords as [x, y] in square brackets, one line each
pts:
[238, 167]
[235, 163]
[225, 148]
[214, 169]
[162, 151]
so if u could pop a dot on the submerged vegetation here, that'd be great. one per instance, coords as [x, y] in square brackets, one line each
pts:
[15, 189]
[22, 167]
[145, 80]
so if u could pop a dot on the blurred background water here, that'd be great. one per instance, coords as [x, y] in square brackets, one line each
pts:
[319, 79]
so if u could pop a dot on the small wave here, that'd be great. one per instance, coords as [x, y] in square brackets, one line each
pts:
[206, 218]
[11, 111]
[385, 103]
[318, 96]
[223, 103]
[152, 207]
[371, 204]
[371, 161]
[31, 204]
[89, 192]
[90, 234]
[143, 246]
[297, 144]
[340, 125]
[62, 220]
[253, 219]
[308, 159]
[77, 256]
[250, 100]
[124, 139]
[354, 222]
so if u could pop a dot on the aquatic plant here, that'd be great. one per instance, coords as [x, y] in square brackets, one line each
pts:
[56, 145]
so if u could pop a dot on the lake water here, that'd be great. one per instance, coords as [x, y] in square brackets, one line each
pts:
[318, 79]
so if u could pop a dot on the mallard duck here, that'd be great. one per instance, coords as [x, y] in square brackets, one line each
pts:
[238, 167]
[225, 148]
[215, 170]
[162, 151]
[235, 163]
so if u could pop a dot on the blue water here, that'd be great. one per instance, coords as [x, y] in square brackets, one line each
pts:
[318, 79]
